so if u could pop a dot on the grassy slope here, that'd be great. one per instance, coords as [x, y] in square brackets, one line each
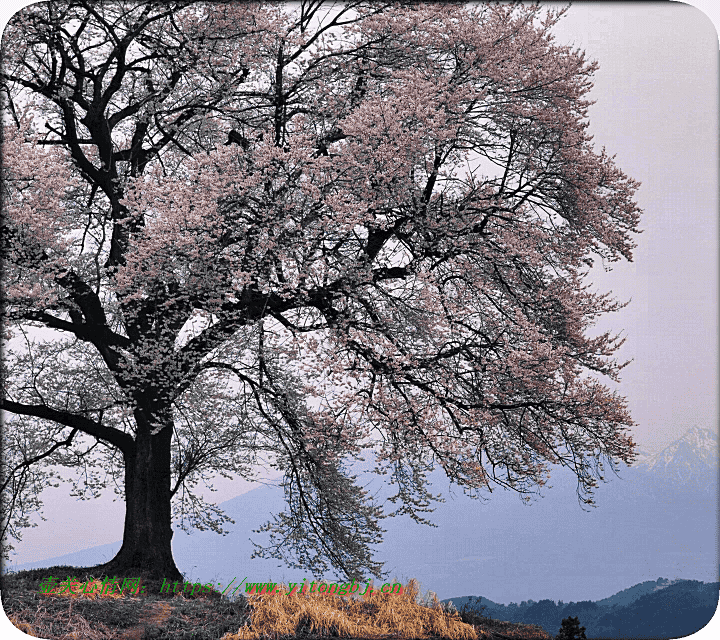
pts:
[211, 617]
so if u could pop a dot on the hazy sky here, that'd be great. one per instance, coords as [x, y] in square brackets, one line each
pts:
[657, 109]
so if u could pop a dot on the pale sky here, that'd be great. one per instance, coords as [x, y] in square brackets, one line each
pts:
[657, 109]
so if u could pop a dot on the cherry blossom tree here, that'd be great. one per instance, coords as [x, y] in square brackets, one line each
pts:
[241, 234]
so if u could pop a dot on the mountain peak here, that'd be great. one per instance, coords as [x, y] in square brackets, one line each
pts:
[701, 438]
[696, 452]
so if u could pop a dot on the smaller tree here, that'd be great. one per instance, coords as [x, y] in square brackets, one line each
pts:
[570, 629]
[473, 612]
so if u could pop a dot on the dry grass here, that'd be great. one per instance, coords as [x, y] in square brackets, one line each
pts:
[373, 616]
[275, 616]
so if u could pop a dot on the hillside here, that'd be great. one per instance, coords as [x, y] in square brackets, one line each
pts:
[151, 614]
[660, 609]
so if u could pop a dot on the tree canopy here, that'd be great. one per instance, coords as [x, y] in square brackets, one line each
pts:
[239, 234]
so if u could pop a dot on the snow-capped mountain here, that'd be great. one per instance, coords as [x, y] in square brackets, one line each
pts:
[692, 458]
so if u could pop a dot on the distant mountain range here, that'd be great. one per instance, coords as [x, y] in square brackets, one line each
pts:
[652, 609]
[659, 517]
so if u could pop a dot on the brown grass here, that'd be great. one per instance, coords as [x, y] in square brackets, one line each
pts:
[373, 616]
[276, 616]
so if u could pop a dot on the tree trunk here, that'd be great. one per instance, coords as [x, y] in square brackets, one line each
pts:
[146, 550]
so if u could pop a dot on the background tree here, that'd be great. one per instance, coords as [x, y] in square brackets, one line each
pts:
[283, 235]
[570, 629]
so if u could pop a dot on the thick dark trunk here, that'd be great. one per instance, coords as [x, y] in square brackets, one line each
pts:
[146, 550]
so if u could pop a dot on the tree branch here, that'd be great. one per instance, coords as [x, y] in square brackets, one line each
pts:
[115, 437]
